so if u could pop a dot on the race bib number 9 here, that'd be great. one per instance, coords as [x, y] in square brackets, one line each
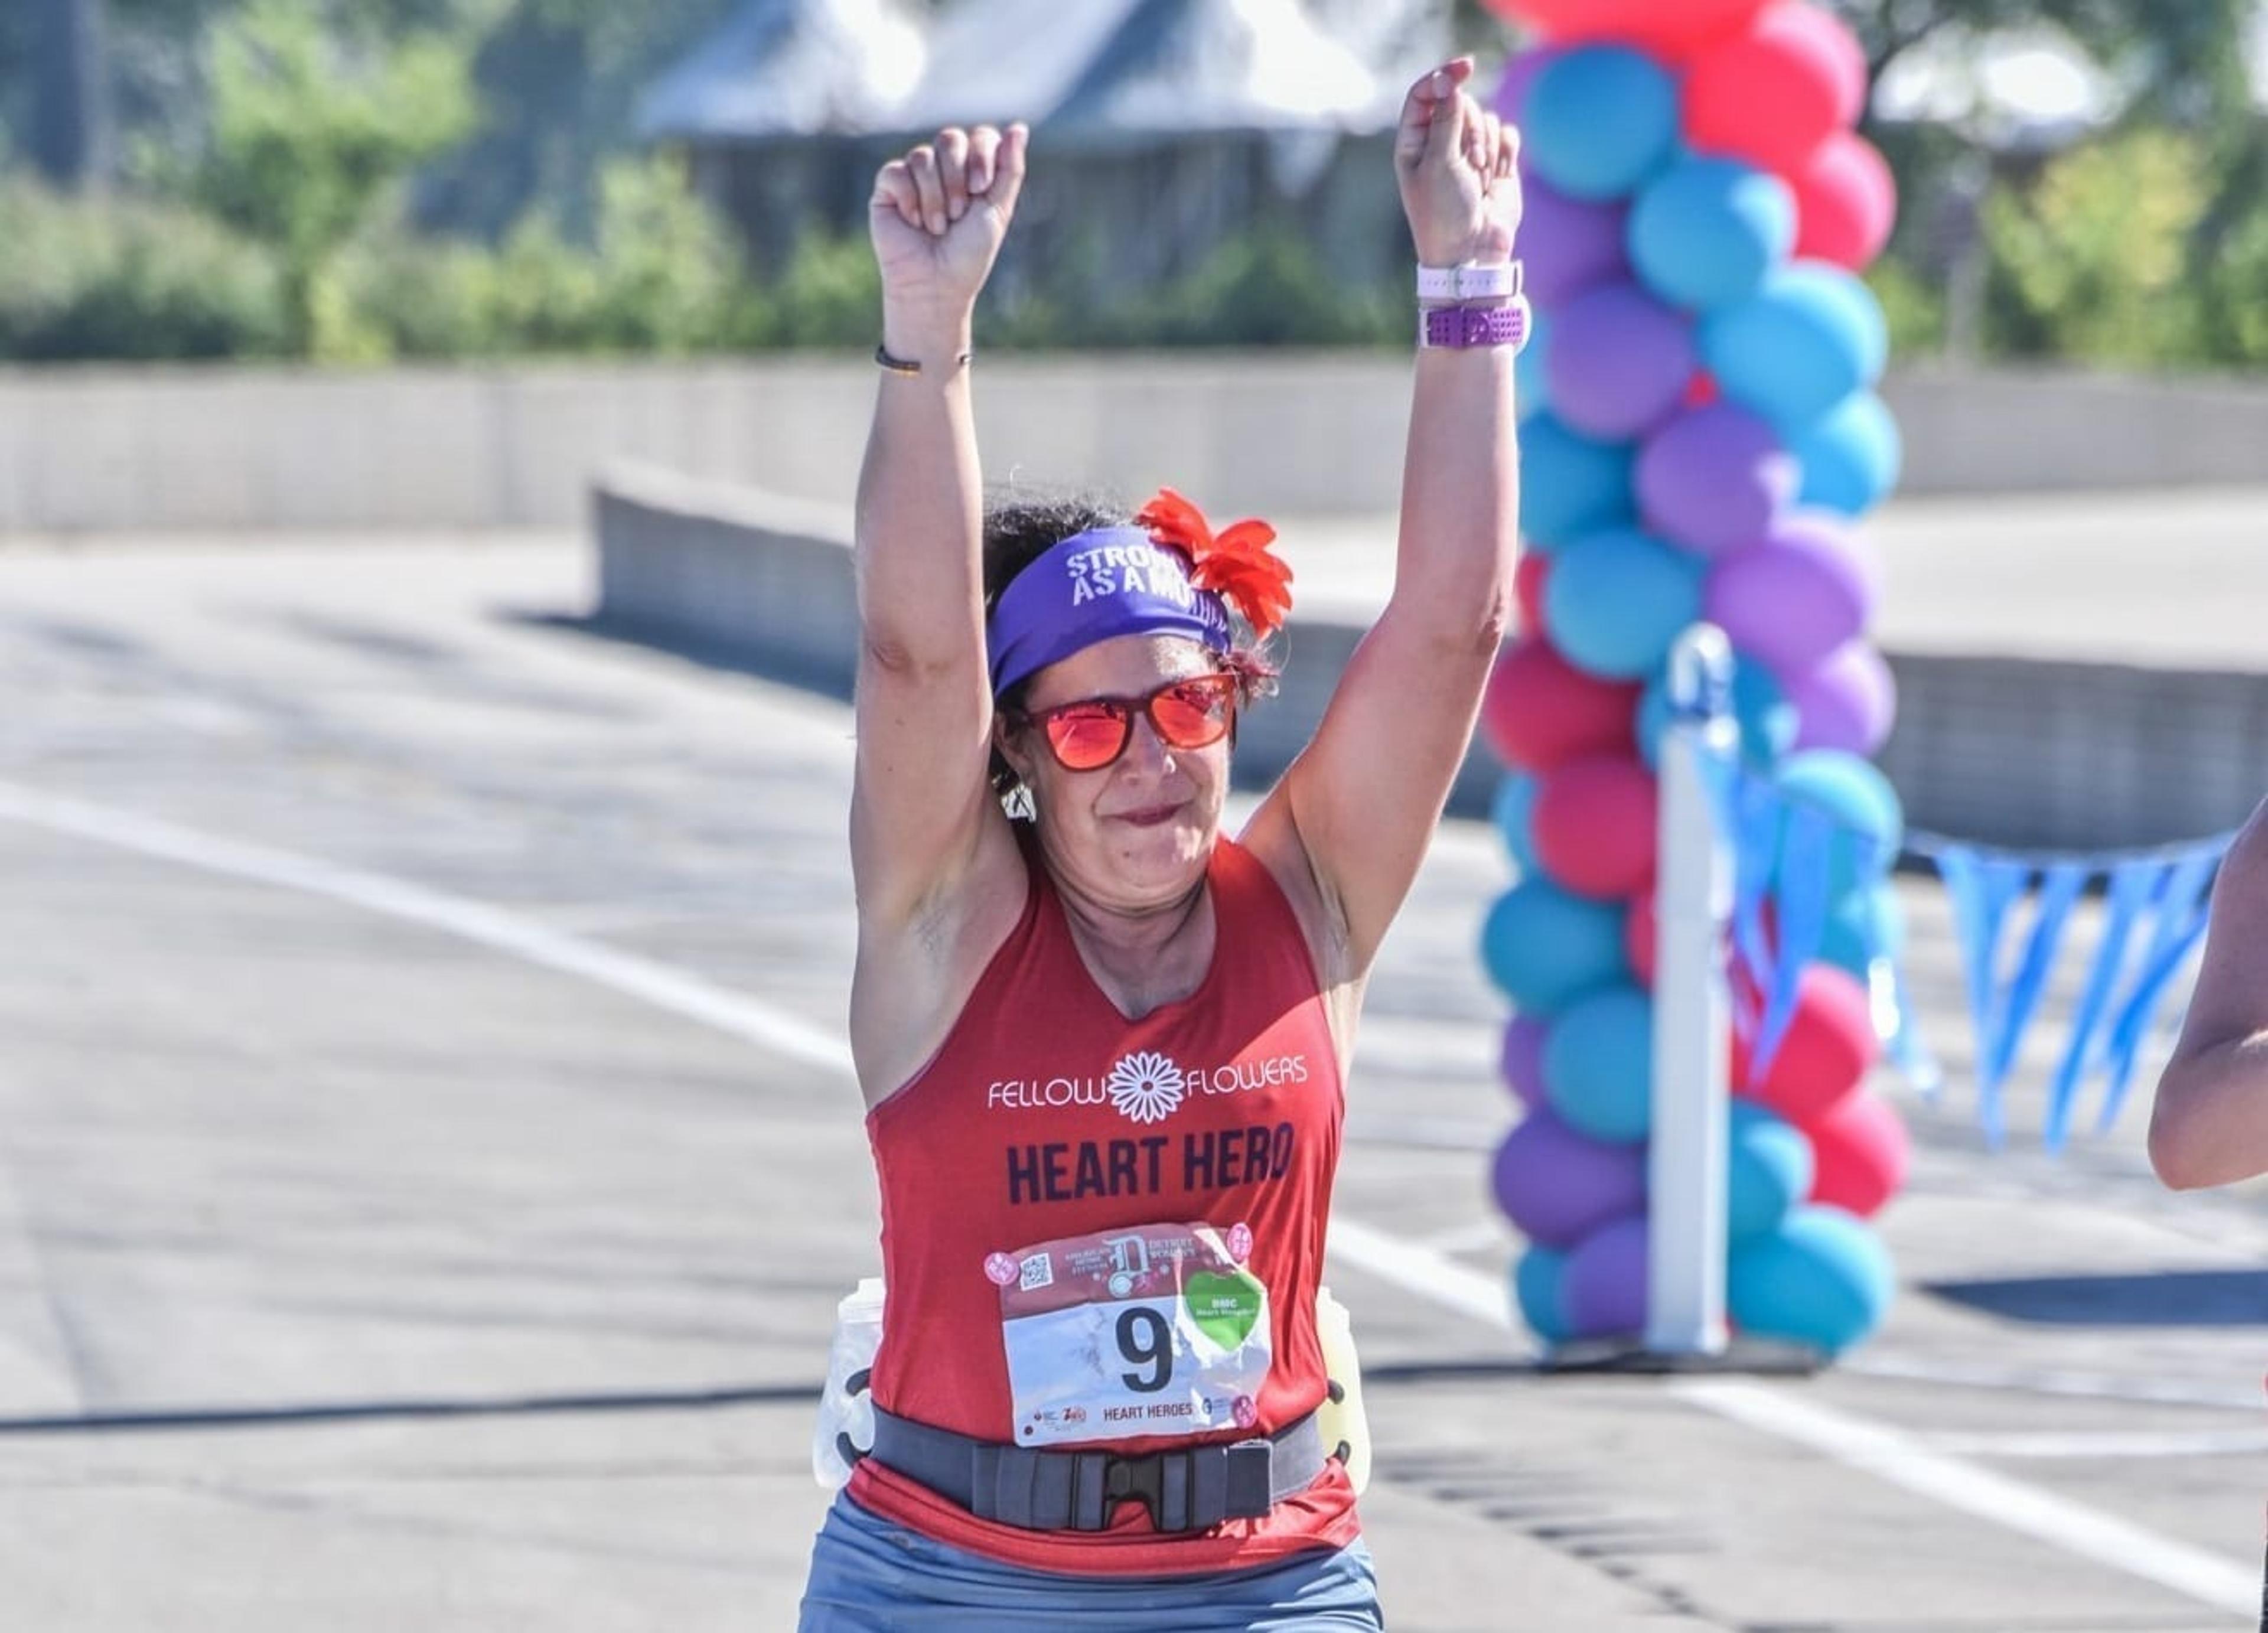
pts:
[1156, 1331]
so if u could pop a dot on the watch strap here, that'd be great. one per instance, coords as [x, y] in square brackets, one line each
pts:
[1501, 280]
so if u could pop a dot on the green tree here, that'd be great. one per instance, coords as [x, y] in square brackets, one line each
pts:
[309, 129]
[2094, 258]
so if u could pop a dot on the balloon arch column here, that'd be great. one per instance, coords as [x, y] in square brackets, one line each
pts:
[1700, 432]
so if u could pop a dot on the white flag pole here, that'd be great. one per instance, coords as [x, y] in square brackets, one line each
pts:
[1692, 1018]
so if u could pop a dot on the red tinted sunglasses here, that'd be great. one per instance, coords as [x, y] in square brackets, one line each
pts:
[1192, 712]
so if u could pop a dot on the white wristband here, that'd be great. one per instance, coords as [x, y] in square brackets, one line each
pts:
[1470, 281]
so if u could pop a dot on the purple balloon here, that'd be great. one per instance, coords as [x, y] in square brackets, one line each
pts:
[1509, 101]
[1790, 600]
[1567, 244]
[1714, 479]
[1847, 701]
[1558, 1187]
[1522, 1061]
[1619, 363]
[1602, 1285]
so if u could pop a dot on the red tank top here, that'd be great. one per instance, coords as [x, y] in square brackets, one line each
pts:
[1048, 1114]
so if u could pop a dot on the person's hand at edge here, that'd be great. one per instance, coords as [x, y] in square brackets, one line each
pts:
[1456, 163]
[938, 218]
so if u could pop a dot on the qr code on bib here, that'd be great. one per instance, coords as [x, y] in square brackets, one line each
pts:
[1038, 1270]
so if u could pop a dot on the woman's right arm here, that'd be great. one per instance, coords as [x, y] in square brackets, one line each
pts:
[924, 707]
[928, 841]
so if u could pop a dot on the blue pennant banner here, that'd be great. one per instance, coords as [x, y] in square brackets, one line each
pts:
[2131, 885]
[2154, 916]
[2012, 915]
[1806, 873]
[2182, 906]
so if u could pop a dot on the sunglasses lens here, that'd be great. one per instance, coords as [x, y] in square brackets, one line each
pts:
[1084, 738]
[1190, 715]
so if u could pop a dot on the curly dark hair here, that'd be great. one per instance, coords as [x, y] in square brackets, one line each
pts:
[1020, 528]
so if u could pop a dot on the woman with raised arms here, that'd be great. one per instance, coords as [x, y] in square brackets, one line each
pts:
[1103, 1045]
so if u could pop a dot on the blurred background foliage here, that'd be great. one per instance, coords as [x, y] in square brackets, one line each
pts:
[357, 181]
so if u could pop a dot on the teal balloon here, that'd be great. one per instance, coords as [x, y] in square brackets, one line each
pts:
[1599, 122]
[1854, 797]
[1512, 811]
[1851, 458]
[1530, 385]
[1823, 1279]
[1617, 601]
[1537, 1288]
[1598, 1065]
[1768, 1173]
[1705, 232]
[1545, 947]
[1570, 485]
[1866, 924]
[1804, 341]
[1766, 720]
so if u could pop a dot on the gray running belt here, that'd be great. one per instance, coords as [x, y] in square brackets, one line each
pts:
[1185, 1489]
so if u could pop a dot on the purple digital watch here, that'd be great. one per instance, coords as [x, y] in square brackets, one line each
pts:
[1458, 328]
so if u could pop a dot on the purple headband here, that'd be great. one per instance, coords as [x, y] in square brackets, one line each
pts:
[1105, 581]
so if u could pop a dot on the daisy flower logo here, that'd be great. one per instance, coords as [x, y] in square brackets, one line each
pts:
[1145, 1086]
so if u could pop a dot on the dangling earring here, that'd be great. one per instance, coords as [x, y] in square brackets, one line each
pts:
[1019, 804]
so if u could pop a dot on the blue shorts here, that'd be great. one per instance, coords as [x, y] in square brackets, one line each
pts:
[868, 1576]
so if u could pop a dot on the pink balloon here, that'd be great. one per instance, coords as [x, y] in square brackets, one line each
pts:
[1568, 245]
[1862, 1151]
[1774, 92]
[1520, 1063]
[1558, 1187]
[1527, 588]
[1848, 701]
[1540, 712]
[1714, 479]
[1792, 599]
[1619, 363]
[1830, 1048]
[1602, 1286]
[1595, 824]
[1639, 925]
[1670, 27]
[1846, 201]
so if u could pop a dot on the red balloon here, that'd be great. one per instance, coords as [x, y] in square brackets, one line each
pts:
[1671, 28]
[1595, 823]
[1846, 201]
[1774, 92]
[1540, 711]
[1528, 589]
[1829, 1049]
[1638, 925]
[1861, 1150]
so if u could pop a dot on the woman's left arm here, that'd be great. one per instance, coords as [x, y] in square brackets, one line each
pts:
[2209, 1125]
[1362, 800]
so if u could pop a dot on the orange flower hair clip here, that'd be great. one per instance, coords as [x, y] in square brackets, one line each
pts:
[1237, 564]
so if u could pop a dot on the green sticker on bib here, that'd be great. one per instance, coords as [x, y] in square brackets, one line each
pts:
[1224, 1308]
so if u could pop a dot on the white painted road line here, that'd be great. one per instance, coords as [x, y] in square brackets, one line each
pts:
[658, 984]
[1973, 1489]
[1887, 1454]
[2090, 1445]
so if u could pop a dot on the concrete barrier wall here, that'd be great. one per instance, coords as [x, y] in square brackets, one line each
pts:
[2003, 751]
[2075, 756]
[764, 583]
[249, 448]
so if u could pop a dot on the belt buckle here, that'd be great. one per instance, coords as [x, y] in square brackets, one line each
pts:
[1141, 1479]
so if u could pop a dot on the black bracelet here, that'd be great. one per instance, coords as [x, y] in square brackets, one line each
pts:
[901, 365]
